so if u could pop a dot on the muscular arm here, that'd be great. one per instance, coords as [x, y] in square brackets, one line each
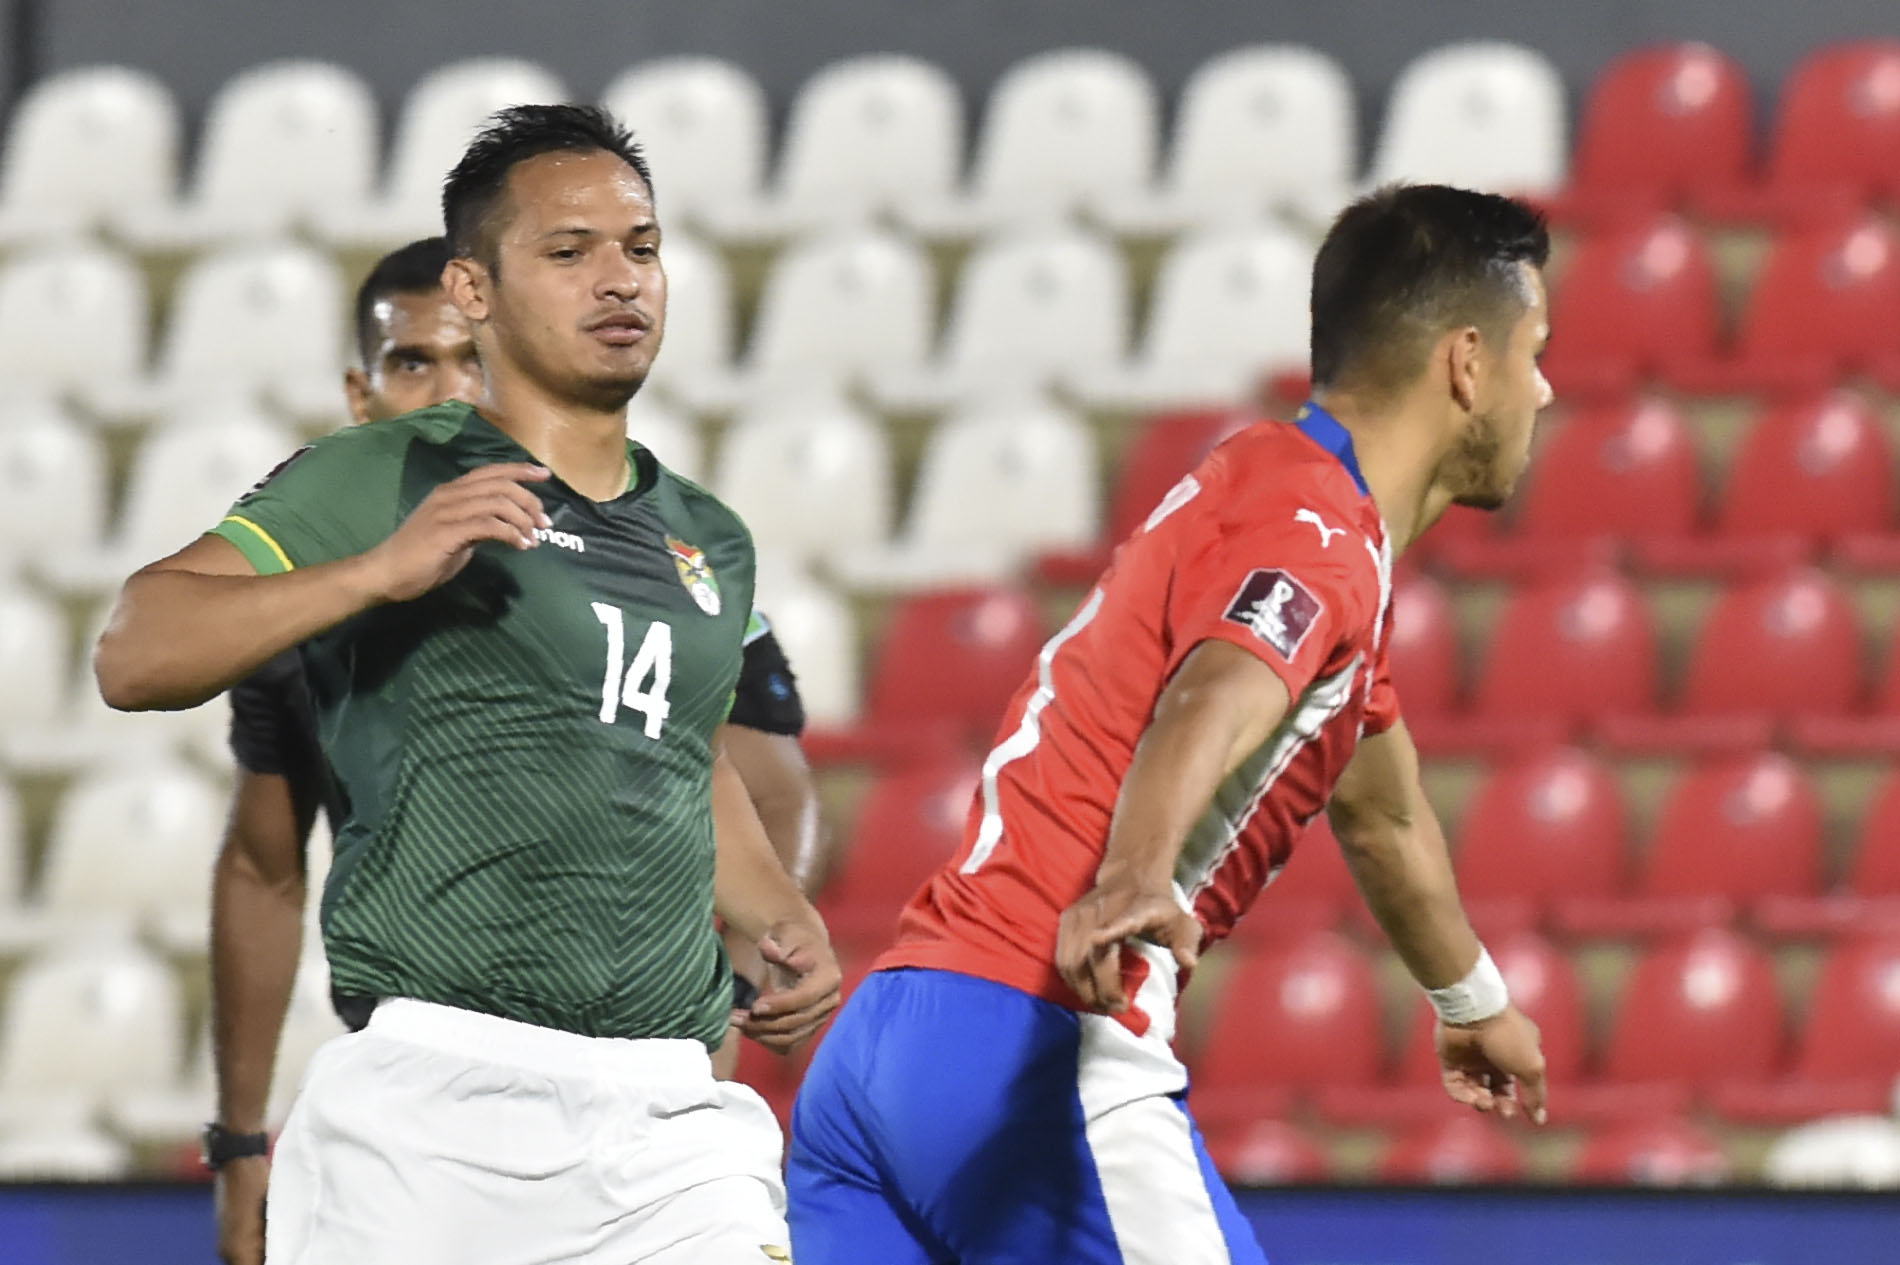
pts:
[779, 783]
[1393, 844]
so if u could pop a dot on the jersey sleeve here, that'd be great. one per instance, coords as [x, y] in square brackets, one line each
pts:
[1272, 591]
[1382, 704]
[767, 695]
[328, 500]
[261, 718]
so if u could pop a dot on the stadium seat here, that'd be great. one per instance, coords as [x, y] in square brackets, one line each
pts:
[1454, 1150]
[257, 320]
[1479, 115]
[1063, 131]
[810, 476]
[70, 314]
[83, 144]
[1837, 132]
[1262, 129]
[699, 319]
[1577, 648]
[1264, 1153]
[280, 140]
[1310, 893]
[1826, 305]
[1426, 662]
[1626, 470]
[63, 1153]
[864, 136]
[440, 115]
[817, 634]
[669, 434]
[909, 824]
[1844, 1153]
[1652, 1153]
[1662, 127]
[704, 125]
[1786, 645]
[1819, 468]
[1030, 309]
[82, 1022]
[834, 308]
[946, 668]
[1876, 868]
[1036, 466]
[1699, 1011]
[35, 663]
[51, 472]
[1853, 1024]
[1229, 308]
[1546, 827]
[133, 844]
[12, 850]
[1635, 304]
[1300, 1016]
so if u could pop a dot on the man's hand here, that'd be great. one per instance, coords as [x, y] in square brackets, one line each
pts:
[239, 1188]
[1496, 1064]
[439, 536]
[1090, 935]
[802, 983]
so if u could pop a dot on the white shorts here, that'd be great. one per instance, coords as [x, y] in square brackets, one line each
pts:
[439, 1136]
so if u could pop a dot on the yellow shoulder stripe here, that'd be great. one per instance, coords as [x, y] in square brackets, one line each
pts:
[264, 536]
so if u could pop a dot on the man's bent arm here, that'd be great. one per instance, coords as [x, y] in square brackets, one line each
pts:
[779, 782]
[751, 889]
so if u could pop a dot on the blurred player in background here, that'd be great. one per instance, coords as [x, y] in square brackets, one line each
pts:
[522, 635]
[417, 351]
[1002, 1090]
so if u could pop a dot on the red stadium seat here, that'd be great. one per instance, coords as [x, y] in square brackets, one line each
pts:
[1424, 648]
[909, 824]
[1454, 1150]
[1292, 1018]
[1853, 1027]
[1698, 1011]
[1652, 1153]
[1633, 305]
[1876, 869]
[1821, 468]
[1310, 893]
[1868, 902]
[1661, 126]
[1837, 140]
[1787, 645]
[1627, 470]
[1548, 826]
[1576, 649]
[1264, 1153]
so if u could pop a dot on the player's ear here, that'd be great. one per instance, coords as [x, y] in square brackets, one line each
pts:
[356, 390]
[469, 287]
[1464, 365]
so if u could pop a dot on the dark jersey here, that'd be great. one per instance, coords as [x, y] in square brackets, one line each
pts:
[525, 751]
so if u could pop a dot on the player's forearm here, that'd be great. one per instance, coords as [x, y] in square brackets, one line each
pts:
[790, 820]
[751, 889]
[178, 638]
[1404, 871]
[256, 938]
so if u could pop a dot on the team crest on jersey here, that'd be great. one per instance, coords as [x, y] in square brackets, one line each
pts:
[1276, 608]
[695, 573]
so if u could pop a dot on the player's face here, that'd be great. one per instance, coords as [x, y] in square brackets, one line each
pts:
[1495, 447]
[579, 297]
[424, 355]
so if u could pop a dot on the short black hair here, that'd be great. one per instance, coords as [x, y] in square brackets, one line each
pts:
[512, 136]
[412, 269]
[1405, 264]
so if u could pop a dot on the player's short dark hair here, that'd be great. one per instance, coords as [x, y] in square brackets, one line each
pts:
[412, 269]
[474, 189]
[1405, 264]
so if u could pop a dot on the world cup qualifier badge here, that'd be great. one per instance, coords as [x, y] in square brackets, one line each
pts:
[696, 574]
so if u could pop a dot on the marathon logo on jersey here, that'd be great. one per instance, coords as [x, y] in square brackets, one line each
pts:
[560, 539]
[276, 470]
[1276, 608]
[696, 574]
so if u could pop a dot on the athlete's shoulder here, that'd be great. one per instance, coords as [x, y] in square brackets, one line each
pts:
[707, 511]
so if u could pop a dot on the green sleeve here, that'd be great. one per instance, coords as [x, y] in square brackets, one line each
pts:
[331, 499]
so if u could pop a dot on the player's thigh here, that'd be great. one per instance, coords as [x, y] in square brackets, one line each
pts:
[1165, 1201]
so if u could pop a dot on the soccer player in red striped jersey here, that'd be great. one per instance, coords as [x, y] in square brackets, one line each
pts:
[1002, 1088]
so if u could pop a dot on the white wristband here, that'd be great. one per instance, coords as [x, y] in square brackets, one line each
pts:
[1478, 996]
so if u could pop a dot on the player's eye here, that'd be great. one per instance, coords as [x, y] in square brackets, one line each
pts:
[566, 254]
[646, 250]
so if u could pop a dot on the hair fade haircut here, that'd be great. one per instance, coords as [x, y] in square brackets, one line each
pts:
[474, 190]
[1404, 265]
[412, 269]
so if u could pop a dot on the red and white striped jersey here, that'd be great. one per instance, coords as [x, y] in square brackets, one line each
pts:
[1274, 545]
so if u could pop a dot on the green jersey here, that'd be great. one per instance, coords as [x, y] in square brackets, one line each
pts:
[526, 750]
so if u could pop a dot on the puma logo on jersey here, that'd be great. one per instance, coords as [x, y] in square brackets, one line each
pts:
[560, 539]
[1326, 533]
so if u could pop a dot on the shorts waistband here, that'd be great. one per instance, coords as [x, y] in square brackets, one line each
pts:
[490, 1038]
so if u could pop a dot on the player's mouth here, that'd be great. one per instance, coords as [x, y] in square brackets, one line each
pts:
[620, 329]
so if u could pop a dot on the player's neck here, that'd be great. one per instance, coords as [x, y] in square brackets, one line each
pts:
[1398, 458]
[584, 445]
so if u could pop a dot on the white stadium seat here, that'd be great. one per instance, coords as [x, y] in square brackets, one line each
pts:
[1229, 306]
[698, 344]
[1842, 1152]
[811, 477]
[864, 136]
[12, 848]
[86, 1020]
[280, 140]
[133, 844]
[670, 435]
[1030, 309]
[703, 125]
[70, 314]
[1480, 115]
[263, 319]
[35, 663]
[1269, 128]
[52, 486]
[63, 1152]
[83, 144]
[439, 117]
[834, 310]
[1064, 132]
[815, 629]
[999, 484]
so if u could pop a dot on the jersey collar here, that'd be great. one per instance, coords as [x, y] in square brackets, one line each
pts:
[1324, 429]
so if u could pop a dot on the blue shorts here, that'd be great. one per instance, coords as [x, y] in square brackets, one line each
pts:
[950, 1120]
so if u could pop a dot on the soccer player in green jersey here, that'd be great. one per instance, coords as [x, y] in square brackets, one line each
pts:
[522, 634]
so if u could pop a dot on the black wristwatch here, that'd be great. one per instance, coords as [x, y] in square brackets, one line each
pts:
[221, 1146]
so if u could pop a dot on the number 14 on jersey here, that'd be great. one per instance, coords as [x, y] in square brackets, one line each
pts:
[646, 680]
